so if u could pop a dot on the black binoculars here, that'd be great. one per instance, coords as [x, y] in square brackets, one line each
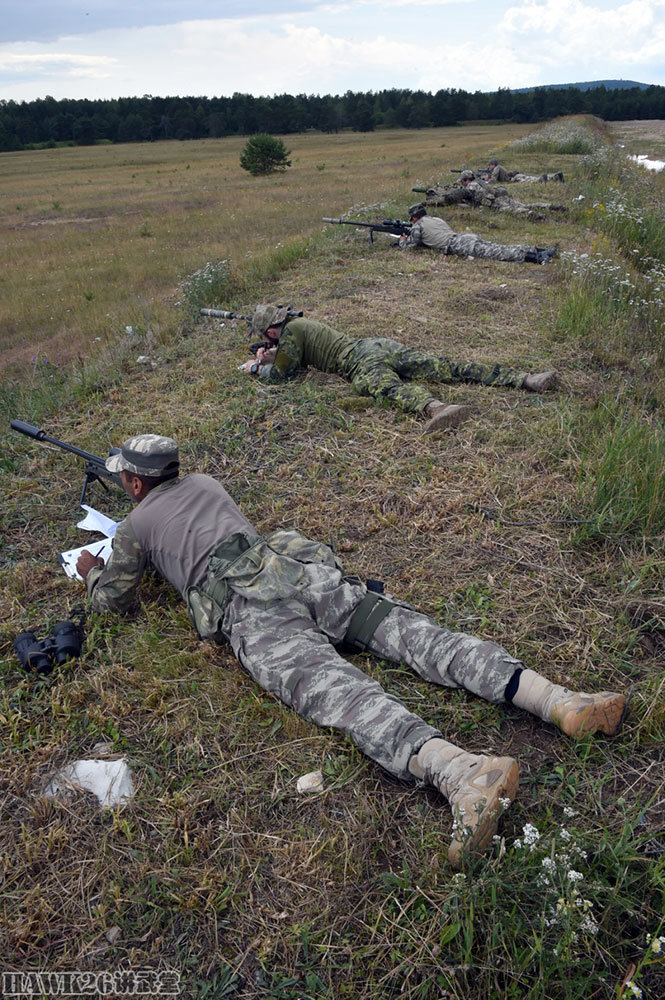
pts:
[63, 644]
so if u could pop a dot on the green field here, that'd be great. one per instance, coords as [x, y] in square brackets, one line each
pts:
[99, 238]
[540, 524]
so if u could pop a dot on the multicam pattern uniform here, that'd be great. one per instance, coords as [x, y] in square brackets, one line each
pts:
[283, 603]
[480, 194]
[436, 234]
[501, 175]
[375, 366]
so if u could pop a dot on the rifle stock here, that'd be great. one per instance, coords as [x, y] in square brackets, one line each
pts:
[95, 466]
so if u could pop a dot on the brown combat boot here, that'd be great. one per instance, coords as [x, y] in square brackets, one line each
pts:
[478, 788]
[539, 381]
[574, 713]
[444, 415]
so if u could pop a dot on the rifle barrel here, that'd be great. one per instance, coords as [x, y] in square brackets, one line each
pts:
[345, 222]
[39, 435]
[223, 314]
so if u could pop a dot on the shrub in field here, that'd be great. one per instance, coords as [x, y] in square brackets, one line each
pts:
[264, 154]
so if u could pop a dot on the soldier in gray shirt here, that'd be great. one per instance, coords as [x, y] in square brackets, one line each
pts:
[435, 234]
[284, 604]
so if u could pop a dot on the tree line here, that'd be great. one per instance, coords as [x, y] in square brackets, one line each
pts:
[49, 122]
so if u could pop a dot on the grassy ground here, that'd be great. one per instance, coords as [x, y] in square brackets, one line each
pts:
[219, 869]
[100, 237]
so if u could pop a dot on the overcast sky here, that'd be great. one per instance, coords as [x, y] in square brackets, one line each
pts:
[113, 48]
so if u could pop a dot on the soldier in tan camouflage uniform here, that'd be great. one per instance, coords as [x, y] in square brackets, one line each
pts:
[433, 233]
[498, 174]
[375, 366]
[479, 193]
[283, 603]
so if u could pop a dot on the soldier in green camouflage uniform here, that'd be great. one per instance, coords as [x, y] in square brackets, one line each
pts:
[480, 194]
[375, 366]
[434, 233]
[498, 174]
[283, 603]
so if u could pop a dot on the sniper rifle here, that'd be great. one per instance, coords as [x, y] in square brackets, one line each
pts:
[393, 226]
[95, 467]
[477, 171]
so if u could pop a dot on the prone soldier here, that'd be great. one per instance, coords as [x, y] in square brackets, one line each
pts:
[284, 604]
[498, 174]
[375, 366]
[479, 193]
[434, 233]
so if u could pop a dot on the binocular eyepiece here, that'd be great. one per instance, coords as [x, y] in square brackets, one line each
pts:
[63, 644]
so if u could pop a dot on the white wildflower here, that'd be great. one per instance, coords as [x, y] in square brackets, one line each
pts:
[531, 835]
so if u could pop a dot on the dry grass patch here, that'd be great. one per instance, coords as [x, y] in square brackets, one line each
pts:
[162, 209]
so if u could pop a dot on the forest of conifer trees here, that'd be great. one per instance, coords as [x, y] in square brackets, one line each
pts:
[48, 122]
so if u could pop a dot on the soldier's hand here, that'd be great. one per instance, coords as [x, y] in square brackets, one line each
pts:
[86, 561]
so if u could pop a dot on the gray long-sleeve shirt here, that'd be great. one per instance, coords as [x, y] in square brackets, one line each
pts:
[429, 231]
[175, 527]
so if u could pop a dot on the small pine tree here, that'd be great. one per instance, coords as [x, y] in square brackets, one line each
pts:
[263, 154]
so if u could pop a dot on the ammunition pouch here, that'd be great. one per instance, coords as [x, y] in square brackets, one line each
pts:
[206, 604]
[366, 619]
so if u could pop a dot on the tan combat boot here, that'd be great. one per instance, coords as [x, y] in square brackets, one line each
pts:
[539, 381]
[575, 714]
[444, 415]
[474, 785]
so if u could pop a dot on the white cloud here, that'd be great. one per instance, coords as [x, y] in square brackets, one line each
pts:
[571, 33]
[439, 45]
[22, 62]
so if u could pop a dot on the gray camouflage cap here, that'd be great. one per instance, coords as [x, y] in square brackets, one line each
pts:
[146, 455]
[466, 175]
[268, 314]
[418, 209]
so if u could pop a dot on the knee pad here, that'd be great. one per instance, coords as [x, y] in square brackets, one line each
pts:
[366, 619]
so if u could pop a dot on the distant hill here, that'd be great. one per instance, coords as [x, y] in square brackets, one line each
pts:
[589, 85]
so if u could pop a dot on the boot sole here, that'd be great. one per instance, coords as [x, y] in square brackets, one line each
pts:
[605, 717]
[481, 837]
[546, 383]
[452, 416]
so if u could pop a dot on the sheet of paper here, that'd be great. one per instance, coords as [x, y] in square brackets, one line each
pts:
[95, 521]
[68, 559]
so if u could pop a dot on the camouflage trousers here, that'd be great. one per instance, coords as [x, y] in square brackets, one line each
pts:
[508, 204]
[471, 245]
[288, 647]
[376, 366]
